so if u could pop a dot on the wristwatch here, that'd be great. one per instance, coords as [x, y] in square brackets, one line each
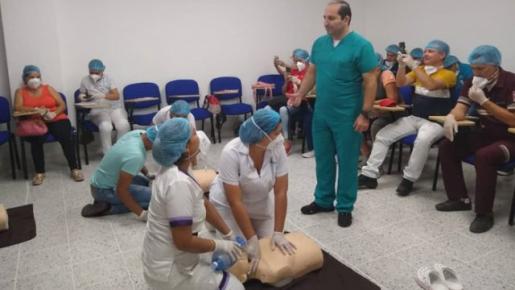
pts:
[365, 114]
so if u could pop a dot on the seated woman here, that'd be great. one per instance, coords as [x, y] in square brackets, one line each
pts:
[172, 247]
[34, 95]
[99, 87]
[251, 166]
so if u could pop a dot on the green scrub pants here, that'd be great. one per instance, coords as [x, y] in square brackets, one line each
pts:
[333, 137]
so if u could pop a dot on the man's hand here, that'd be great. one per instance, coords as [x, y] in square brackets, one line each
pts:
[361, 124]
[406, 59]
[477, 95]
[450, 127]
[142, 216]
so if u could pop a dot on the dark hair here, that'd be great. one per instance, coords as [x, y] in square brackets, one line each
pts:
[344, 9]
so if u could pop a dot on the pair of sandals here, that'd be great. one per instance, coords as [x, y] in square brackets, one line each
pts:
[439, 277]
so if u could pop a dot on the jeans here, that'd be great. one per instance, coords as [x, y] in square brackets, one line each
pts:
[139, 190]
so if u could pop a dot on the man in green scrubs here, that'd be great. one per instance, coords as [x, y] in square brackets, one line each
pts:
[344, 66]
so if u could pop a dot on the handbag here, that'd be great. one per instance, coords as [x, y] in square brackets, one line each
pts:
[31, 127]
[212, 104]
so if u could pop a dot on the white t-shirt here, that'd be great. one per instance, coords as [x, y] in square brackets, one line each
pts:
[237, 168]
[177, 200]
[99, 88]
[164, 114]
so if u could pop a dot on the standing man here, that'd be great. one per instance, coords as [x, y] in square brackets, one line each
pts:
[344, 68]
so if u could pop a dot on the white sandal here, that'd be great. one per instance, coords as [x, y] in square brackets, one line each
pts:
[449, 277]
[429, 279]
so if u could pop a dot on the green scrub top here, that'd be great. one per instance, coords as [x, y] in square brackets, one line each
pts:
[339, 74]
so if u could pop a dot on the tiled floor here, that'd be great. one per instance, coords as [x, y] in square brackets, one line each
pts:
[391, 237]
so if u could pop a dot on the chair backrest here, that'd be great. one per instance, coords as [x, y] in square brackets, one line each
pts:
[406, 93]
[5, 110]
[276, 79]
[185, 89]
[226, 83]
[65, 102]
[142, 90]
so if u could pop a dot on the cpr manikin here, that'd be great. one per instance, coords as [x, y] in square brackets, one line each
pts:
[277, 269]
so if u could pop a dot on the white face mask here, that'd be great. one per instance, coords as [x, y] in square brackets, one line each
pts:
[417, 62]
[34, 83]
[301, 66]
[479, 82]
[388, 64]
[94, 77]
[278, 141]
[429, 69]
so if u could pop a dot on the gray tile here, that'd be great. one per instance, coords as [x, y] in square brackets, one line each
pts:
[50, 232]
[392, 273]
[7, 284]
[129, 231]
[119, 283]
[42, 260]
[100, 272]
[461, 247]
[8, 262]
[93, 247]
[132, 260]
[426, 254]
[424, 228]
[356, 250]
[56, 278]
[500, 264]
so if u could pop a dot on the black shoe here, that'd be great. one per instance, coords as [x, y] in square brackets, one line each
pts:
[482, 223]
[344, 219]
[314, 208]
[98, 208]
[366, 182]
[405, 187]
[454, 205]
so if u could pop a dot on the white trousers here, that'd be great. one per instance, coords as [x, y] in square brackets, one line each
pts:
[283, 112]
[104, 119]
[427, 133]
[263, 227]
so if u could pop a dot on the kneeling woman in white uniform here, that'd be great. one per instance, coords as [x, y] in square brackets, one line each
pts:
[250, 167]
[172, 248]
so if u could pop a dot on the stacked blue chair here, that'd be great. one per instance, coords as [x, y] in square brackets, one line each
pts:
[188, 91]
[49, 139]
[7, 136]
[277, 80]
[228, 89]
[137, 91]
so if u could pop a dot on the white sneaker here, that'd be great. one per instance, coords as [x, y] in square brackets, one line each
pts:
[449, 277]
[309, 154]
[429, 279]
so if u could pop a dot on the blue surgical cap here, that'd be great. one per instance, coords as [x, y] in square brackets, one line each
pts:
[417, 53]
[28, 69]
[450, 60]
[152, 132]
[438, 45]
[180, 108]
[254, 129]
[96, 65]
[301, 54]
[485, 54]
[171, 141]
[393, 48]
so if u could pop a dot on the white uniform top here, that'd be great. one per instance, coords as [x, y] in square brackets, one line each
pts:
[237, 168]
[164, 114]
[98, 88]
[177, 200]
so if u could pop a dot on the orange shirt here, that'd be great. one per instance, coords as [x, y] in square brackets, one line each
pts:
[45, 100]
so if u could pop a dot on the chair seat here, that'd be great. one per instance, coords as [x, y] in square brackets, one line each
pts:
[261, 105]
[201, 113]
[409, 140]
[236, 109]
[90, 126]
[143, 119]
[4, 137]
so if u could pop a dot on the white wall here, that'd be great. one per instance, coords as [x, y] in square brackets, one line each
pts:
[463, 24]
[4, 79]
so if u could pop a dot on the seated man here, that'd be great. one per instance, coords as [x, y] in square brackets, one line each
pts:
[390, 62]
[432, 97]
[492, 89]
[99, 87]
[116, 186]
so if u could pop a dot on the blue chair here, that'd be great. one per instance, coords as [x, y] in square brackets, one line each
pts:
[220, 84]
[6, 136]
[83, 125]
[137, 91]
[49, 139]
[277, 80]
[188, 91]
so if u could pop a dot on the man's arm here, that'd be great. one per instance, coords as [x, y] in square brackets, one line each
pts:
[113, 95]
[122, 190]
[308, 82]
[370, 89]
[500, 113]
[427, 81]
[402, 78]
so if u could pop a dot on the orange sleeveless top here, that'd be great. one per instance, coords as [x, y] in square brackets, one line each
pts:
[45, 100]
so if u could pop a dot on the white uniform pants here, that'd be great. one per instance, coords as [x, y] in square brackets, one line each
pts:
[203, 277]
[263, 227]
[104, 119]
[427, 133]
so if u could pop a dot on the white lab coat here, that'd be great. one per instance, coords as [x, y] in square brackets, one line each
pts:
[177, 200]
[237, 168]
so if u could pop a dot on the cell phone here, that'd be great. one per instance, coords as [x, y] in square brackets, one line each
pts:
[402, 47]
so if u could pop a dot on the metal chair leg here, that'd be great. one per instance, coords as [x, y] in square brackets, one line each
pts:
[399, 162]
[213, 137]
[15, 146]
[512, 211]
[11, 158]
[435, 176]
[24, 159]
[392, 154]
